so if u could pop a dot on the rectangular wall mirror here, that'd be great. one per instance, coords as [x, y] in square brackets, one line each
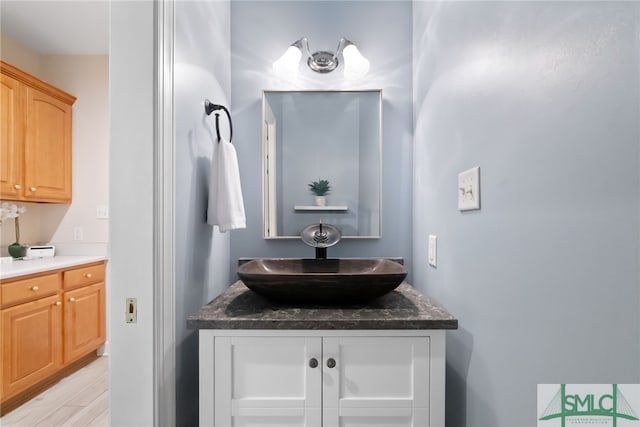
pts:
[311, 136]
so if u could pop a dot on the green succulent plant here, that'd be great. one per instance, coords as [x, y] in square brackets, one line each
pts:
[320, 187]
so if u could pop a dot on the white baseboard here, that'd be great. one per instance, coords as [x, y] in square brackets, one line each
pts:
[104, 350]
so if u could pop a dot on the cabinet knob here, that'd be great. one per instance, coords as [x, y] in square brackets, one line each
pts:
[331, 363]
[313, 362]
[88, 275]
[35, 288]
[58, 303]
[72, 299]
[17, 186]
[32, 189]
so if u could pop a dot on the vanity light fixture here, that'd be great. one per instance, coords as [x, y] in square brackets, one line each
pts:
[355, 64]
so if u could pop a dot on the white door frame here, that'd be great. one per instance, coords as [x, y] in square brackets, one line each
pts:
[164, 377]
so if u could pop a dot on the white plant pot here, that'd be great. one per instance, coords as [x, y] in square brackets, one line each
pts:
[321, 201]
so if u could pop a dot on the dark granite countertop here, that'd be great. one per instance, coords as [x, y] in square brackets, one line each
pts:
[240, 308]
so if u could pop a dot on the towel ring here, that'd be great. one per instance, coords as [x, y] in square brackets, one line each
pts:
[209, 108]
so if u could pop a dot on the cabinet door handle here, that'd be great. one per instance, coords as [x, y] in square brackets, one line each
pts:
[35, 288]
[331, 363]
[17, 186]
[313, 362]
[32, 189]
[88, 275]
[58, 303]
[72, 299]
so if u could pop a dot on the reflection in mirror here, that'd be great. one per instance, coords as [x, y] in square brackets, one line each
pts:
[315, 136]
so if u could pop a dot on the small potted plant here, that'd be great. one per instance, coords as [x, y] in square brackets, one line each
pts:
[7, 211]
[320, 188]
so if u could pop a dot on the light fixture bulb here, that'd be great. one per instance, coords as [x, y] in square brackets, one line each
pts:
[287, 64]
[355, 64]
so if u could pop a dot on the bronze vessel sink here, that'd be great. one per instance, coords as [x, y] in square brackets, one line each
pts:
[322, 281]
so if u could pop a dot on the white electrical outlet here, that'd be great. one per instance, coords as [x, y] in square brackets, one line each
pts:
[433, 250]
[469, 189]
[78, 233]
[132, 310]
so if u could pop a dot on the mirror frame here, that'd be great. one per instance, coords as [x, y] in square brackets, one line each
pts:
[264, 154]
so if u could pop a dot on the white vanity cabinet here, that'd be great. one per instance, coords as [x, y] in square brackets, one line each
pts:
[265, 364]
[322, 378]
[261, 381]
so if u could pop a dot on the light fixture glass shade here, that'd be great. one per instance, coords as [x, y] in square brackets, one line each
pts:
[355, 65]
[287, 64]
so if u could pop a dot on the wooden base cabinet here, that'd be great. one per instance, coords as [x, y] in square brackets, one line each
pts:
[322, 378]
[50, 322]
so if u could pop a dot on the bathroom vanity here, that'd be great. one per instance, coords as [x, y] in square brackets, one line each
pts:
[376, 364]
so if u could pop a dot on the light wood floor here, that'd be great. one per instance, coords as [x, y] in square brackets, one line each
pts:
[81, 399]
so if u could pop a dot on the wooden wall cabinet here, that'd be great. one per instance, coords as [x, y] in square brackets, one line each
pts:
[35, 145]
[49, 322]
[11, 137]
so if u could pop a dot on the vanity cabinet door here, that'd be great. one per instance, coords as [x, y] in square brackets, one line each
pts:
[267, 381]
[376, 381]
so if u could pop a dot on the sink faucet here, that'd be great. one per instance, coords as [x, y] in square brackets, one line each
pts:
[321, 236]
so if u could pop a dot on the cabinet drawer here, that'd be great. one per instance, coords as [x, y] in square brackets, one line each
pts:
[83, 276]
[30, 289]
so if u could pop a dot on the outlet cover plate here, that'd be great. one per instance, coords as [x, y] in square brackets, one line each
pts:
[78, 233]
[469, 189]
[433, 250]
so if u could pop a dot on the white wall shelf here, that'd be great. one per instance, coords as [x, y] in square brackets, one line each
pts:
[313, 208]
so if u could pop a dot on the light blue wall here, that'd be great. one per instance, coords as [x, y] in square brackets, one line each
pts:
[544, 279]
[260, 32]
[202, 56]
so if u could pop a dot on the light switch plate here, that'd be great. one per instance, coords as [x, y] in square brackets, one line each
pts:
[433, 250]
[102, 212]
[469, 189]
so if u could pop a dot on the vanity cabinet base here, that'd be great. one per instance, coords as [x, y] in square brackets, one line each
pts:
[324, 378]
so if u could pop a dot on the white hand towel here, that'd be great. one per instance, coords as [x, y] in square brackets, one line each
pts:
[226, 206]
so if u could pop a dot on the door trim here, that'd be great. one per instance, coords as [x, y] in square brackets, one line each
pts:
[164, 381]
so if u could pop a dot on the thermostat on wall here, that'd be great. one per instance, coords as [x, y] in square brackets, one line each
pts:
[41, 251]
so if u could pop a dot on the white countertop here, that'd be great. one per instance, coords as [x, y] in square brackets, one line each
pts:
[40, 265]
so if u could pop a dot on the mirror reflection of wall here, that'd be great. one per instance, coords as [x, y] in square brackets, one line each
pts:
[322, 135]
